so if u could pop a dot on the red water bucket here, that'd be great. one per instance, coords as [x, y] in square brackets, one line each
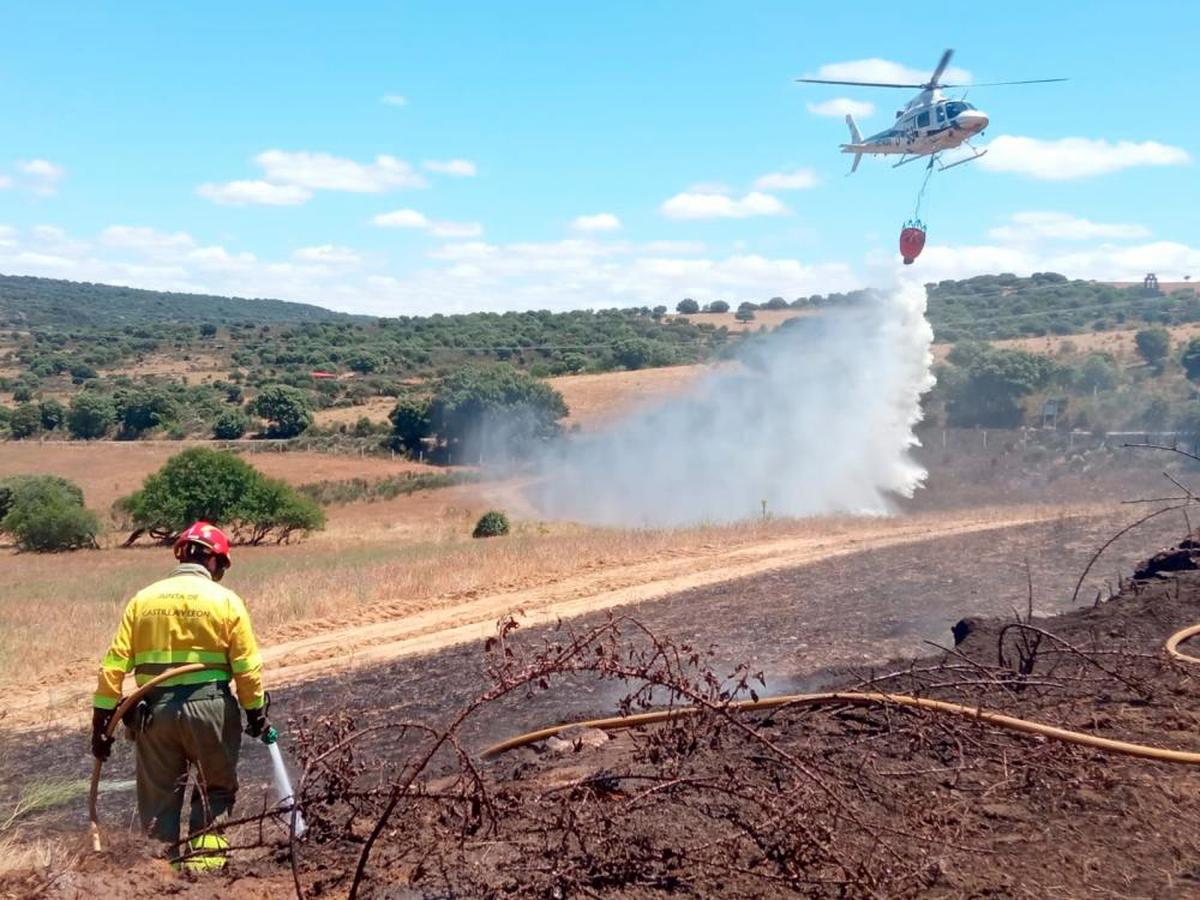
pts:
[912, 241]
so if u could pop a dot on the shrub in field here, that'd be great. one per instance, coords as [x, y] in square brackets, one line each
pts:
[1153, 345]
[495, 411]
[410, 424]
[287, 410]
[492, 523]
[26, 421]
[218, 487]
[53, 414]
[230, 425]
[45, 513]
[91, 416]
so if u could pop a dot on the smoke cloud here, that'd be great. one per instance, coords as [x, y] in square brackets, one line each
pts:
[815, 418]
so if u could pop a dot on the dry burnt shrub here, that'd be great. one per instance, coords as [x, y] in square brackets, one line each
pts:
[709, 802]
[839, 801]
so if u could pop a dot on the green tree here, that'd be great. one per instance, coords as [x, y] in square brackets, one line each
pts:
[142, 410]
[687, 306]
[776, 303]
[26, 421]
[989, 391]
[410, 424]
[718, 306]
[53, 414]
[81, 372]
[230, 425]
[1154, 346]
[287, 410]
[639, 353]
[91, 416]
[5, 418]
[1190, 359]
[1098, 373]
[744, 314]
[494, 411]
[44, 513]
[217, 487]
[363, 363]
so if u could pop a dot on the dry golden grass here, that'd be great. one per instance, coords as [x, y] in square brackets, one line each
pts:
[110, 470]
[376, 409]
[768, 318]
[1119, 343]
[596, 399]
[405, 556]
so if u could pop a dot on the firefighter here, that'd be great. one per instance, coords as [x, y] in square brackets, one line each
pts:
[192, 719]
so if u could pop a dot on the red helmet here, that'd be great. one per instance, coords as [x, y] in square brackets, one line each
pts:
[205, 535]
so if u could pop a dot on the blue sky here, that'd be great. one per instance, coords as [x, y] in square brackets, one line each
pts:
[419, 157]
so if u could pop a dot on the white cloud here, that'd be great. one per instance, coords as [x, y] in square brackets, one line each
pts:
[886, 71]
[411, 218]
[328, 254]
[394, 100]
[696, 205]
[248, 193]
[326, 172]
[5, 182]
[1102, 262]
[796, 180]
[290, 178]
[466, 251]
[42, 176]
[146, 240]
[842, 106]
[455, 229]
[1036, 226]
[1075, 157]
[596, 222]
[401, 218]
[459, 168]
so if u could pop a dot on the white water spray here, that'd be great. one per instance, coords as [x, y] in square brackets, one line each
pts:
[816, 419]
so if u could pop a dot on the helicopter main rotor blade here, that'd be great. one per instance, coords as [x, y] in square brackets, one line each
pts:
[941, 67]
[861, 83]
[999, 83]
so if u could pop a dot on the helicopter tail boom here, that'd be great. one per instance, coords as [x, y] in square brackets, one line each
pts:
[856, 141]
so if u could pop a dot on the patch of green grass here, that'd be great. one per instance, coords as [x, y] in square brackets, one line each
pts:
[351, 490]
[38, 796]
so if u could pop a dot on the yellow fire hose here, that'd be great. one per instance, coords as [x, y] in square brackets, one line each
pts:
[851, 698]
[122, 708]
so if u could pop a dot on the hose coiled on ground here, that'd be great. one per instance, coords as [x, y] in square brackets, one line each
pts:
[853, 698]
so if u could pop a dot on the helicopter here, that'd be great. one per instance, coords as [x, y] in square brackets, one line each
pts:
[928, 125]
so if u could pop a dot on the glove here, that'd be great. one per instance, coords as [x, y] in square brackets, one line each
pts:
[256, 719]
[101, 742]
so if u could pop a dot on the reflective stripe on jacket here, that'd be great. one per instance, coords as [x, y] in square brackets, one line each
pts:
[185, 618]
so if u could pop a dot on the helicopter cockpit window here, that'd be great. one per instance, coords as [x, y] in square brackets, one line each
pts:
[923, 120]
[953, 109]
[941, 114]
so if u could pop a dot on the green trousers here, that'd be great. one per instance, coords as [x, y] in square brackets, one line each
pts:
[197, 726]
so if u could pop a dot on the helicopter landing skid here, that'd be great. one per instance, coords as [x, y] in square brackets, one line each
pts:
[977, 154]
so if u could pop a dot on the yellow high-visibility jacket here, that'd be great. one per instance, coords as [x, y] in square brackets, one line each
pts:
[185, 618]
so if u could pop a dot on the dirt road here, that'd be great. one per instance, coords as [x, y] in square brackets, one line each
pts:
[391, 630]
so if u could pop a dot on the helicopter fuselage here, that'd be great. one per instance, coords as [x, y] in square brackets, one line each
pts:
[928, 124]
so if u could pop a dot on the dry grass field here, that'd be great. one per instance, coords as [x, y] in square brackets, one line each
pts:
[1118, 343]
[109, 470]
[591, 399]
[763, 318]
[597, 399]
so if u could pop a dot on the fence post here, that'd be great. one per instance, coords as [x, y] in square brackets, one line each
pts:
[985, 439]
